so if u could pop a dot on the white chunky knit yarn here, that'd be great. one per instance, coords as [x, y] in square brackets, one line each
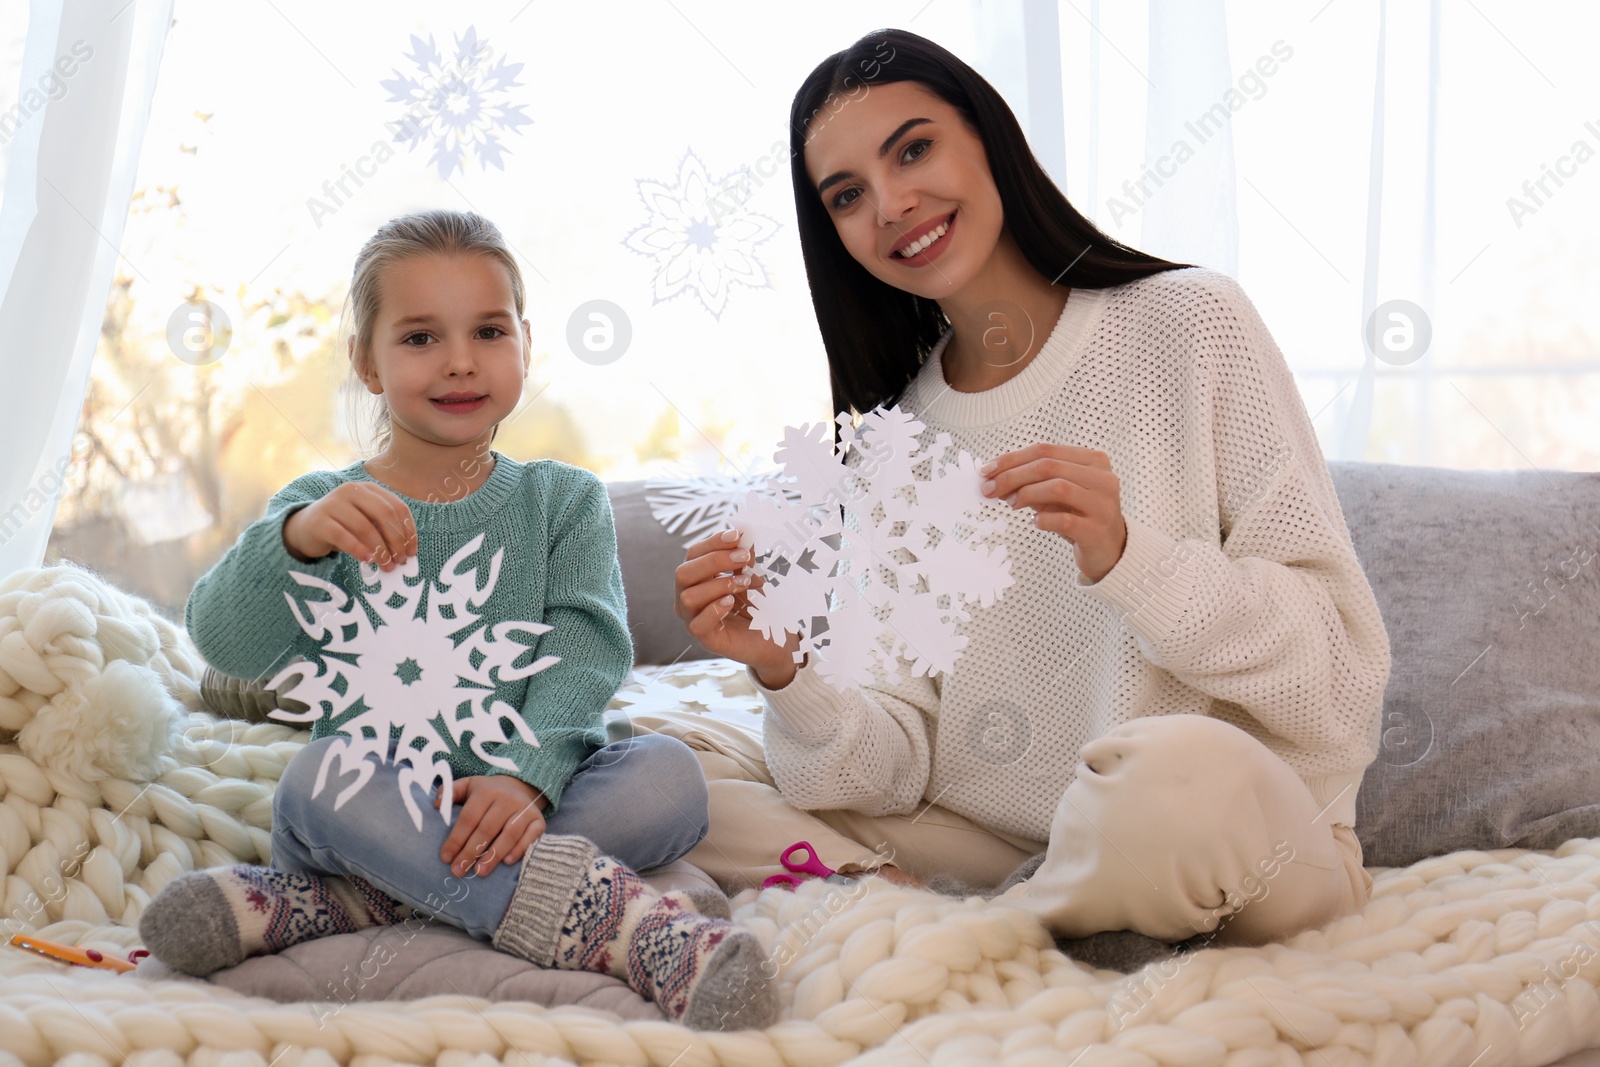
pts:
[1488, 959]
[1177, 379]
[1466, 960]
[93, 681]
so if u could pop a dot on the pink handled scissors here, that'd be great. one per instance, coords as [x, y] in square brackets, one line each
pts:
[811, 865]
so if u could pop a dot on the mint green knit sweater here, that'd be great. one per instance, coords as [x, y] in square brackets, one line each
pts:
[560, 567]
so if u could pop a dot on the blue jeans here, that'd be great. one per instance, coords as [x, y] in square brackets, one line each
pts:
[641, 800]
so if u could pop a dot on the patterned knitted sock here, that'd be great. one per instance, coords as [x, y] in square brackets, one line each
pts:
[204, 921]
[578, 910]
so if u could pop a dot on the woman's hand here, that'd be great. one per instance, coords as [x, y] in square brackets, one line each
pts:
[500, 820]
[715, 603]
[1073, 493]
[362, 519]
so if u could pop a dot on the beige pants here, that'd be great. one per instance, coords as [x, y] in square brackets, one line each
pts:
[1180, 822]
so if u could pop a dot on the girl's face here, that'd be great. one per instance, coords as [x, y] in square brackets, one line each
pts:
[893, 166]
[447, 328]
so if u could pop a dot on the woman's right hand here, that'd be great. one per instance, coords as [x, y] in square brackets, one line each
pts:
[361, 519]
[715, 604]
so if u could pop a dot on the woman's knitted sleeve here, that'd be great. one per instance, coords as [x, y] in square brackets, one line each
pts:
[866, 749]
[1278, 620]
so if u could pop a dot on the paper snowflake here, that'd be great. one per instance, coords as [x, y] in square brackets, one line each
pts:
[881, 558]
[702, 235]
[408, 669]
[461, 103]
[696, 507]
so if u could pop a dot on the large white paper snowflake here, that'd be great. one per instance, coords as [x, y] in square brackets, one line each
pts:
[409, 669]
[881, 558]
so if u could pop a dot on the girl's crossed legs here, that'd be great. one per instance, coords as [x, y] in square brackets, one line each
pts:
[641, 800]
[565, 905]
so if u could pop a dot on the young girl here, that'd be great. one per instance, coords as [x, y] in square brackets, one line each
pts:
[439, 334]
[1177, 699]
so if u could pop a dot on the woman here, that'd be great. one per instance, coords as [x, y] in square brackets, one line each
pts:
[1177, 699]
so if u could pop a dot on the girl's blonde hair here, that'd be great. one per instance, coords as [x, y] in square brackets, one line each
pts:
[434, 232]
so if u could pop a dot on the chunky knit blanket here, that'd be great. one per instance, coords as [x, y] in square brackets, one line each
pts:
[1476, 959]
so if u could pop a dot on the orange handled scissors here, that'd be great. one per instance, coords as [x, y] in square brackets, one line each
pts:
[83, 957]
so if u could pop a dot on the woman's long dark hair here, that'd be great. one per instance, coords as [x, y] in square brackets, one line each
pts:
[877, 336]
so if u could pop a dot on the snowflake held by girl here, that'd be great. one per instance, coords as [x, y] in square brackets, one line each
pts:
[409, 671]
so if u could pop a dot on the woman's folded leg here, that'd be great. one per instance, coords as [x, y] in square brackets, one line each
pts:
[1179, 824]
[752, 823]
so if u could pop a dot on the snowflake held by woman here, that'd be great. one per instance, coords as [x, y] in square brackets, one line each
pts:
[873, 553]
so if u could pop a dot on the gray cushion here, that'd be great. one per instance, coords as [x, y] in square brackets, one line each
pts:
[650, 556]
[1489, 590]
[409, 962]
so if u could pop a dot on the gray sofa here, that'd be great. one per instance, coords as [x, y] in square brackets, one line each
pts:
[1488, 587]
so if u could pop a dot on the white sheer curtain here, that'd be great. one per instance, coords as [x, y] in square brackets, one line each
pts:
[1404, 189]
[1196, 217]
[1332, 154]
[1402, 193]
[1186, 187]
[83, 96]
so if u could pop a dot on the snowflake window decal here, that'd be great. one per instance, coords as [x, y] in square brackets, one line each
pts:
[886, 551]
[460, 104]
[407, 670]
[701, 235]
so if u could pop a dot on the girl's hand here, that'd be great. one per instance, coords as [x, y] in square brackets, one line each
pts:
[1073, 493]
[715, 603]
[362, 519]
[501, 819]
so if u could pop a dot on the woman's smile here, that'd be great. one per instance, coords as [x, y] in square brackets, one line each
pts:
[926, 243]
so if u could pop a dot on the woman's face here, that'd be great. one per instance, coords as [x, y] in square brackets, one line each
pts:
[447, 325]
[893, 166]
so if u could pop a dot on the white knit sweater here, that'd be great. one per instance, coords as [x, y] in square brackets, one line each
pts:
[1238, 594]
